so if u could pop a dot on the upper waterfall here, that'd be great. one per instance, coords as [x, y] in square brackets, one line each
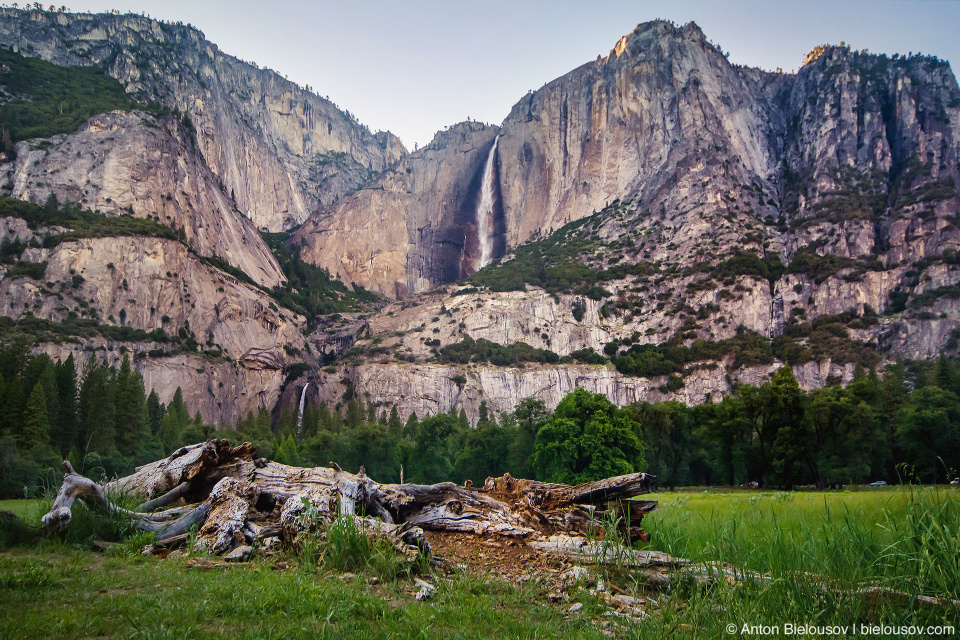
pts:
[485, 228]
[303, 397]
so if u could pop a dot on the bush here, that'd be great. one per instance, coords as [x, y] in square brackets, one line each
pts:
[309, 290]
[24, 269]
[816, 266]
[557, 263]
[747, 348]
[482, 350]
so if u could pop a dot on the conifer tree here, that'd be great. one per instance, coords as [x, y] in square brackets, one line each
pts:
[394, 425]
[67, 426]
[355, 413]
[262, 430]
[36, 423]
[155, 412]
[49, 381]
[133, 432]
[324, 420]
[174, 423]
[11, 407]
[97, 417]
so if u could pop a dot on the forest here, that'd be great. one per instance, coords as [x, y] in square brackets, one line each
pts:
[102, 419]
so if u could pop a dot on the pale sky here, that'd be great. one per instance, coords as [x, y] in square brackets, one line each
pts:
[413, 66]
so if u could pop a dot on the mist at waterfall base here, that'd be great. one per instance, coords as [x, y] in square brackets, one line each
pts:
[485, 224]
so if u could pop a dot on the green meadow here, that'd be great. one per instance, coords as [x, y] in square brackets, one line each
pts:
[820, 550]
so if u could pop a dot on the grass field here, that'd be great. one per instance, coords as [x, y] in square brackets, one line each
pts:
[819, 549]
[27, 509]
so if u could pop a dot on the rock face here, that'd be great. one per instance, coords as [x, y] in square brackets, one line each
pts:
[647, 119]
[121, 162]
[838, 182]
[251, 150]
[148, 284]
[412, 227]
[281, 150]
[687, 198]
[711, 156]
[390, 363]
[431, 389]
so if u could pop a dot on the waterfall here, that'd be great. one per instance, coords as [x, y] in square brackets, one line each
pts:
[485, 209]
[303, 398]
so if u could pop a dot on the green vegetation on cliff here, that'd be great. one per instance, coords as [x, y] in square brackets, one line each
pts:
[309, 290]
[557, 263]
[79, 222]
[747, 348]
[482, 350]
[44, 99]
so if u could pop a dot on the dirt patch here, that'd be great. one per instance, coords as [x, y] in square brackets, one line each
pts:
[511, 559]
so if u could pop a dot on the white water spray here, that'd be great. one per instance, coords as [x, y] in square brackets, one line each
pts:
[485, 209]
[303, 398]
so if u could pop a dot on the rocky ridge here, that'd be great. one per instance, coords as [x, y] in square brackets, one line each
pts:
[125, 163]
[819, 210]
[280, 149]
[150, 284]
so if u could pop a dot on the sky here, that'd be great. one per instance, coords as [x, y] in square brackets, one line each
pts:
[416, 66]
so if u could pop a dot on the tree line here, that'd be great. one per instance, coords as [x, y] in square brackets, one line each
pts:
[876, 428]
[100, 419]
[903, 425]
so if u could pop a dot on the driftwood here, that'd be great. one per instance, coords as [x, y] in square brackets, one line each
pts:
[239, 498]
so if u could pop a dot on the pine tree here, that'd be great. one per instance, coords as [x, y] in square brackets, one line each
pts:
[261, 427]
[132, 429]
[412, 423]
[67, 417]
[11, 407]
[484, 413]
[155, 412]
[394, 425]
[355, 413]
[943, 375]
[174, 423]
[33, 371]
[49, 380]
[324, 419]
[244, 425]
[36, 423]
[97, 418]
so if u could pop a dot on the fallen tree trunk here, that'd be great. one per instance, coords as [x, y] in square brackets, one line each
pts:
[165, 524]
[240, 498]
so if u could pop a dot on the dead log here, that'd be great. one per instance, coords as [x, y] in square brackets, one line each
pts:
[169, 497]
[74, 487]
[242, 499]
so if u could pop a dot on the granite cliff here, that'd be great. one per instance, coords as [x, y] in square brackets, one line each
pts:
[411, 228]
[280, 149]
[663, 196]
[665, 224]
